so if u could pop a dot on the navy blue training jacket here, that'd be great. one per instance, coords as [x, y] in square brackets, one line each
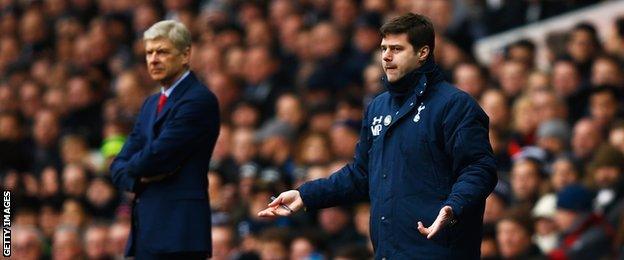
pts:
[411, 160]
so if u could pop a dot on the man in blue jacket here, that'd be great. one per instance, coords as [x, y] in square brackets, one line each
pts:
[165, 159]
[423, 158]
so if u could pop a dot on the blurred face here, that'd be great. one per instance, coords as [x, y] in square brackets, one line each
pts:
[289, 110]
[367, 39]
[46, 128]
[604, 72]
[581, 46]
[565, 78]
[399, 57]
[73, 213]
[245, 116]
[48, 220]
[259, 34]
[100, 193]
[9, 128]
[49, 181]
[301, 248]
[117, 238]
[565, 219]
[273, 250]
[74, 181]
[165, 63]
[344, 12]
[468, 78]
[79, 93]
[343, 141]
[26, 246]
[523, 114]
[512, 238]
[326, 41]
[606, 176]
[259, 66]
[95, 239]
[513, 78]
[243, 148]
[546, 106]
[603, 107]
[563, 174]
[616, 138]
[315, 150]
[585, 139]
[525, 181]
[66, 246]
[221, 243]
[130, 93]
[333, 220]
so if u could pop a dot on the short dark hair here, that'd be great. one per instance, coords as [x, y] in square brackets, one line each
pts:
[419, 29]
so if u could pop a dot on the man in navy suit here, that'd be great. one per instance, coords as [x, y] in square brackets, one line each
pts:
[165, 159]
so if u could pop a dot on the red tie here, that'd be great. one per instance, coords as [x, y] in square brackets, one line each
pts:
[161, 102]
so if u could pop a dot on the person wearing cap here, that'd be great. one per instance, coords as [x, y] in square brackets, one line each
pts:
[423, 158]
[584, 234]
[165, 158]
[605, 177]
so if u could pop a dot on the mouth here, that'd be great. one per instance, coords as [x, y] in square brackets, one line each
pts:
[390, 67]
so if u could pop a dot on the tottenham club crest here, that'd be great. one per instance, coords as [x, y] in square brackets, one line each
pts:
[417, 117]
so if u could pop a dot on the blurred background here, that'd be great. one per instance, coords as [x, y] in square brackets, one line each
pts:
[292, 78]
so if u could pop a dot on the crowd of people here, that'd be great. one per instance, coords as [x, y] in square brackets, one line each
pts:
[293, 79]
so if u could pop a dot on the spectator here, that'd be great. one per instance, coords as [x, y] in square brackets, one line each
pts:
[28, 243]
[584, 234]
[67, 243]
[513, 233]
[95, 242]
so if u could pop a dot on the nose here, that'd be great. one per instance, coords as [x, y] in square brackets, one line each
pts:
[386, 55]
[152, 58]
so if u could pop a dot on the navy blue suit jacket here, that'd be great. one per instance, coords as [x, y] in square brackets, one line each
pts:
[173, 214]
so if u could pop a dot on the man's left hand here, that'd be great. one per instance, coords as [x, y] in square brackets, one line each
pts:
[444, 217]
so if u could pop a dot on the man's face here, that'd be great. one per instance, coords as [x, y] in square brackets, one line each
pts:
[164, 62]
[398, 56]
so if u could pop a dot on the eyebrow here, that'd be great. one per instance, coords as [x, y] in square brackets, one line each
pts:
[390, 45]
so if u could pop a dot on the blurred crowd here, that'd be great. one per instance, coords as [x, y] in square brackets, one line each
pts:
[292, 79]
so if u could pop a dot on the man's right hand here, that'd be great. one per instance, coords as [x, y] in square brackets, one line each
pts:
[291, 199]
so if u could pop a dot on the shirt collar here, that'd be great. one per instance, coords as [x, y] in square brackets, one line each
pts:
[175, 84]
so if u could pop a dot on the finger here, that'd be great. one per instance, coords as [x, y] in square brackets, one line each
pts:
[269, 212]
[433, 230]
[278, 201]
[282, 212]
[422, 229]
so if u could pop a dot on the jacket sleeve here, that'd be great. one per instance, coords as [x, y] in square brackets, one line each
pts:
[194, 120]
[133, 144]
[467, 143]
[344, 186]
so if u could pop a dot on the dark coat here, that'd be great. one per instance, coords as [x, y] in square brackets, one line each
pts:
[413, 157]
[171, 215]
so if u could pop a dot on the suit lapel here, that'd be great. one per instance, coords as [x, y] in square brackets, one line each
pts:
[177, 93]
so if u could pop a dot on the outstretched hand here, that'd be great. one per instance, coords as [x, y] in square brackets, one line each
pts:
[291, 199]
[444, 217]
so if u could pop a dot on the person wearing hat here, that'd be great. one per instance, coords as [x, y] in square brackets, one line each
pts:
[605, 177]
[585, 235]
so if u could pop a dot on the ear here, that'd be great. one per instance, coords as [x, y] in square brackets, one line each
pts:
[423, 53]
[186, 55]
